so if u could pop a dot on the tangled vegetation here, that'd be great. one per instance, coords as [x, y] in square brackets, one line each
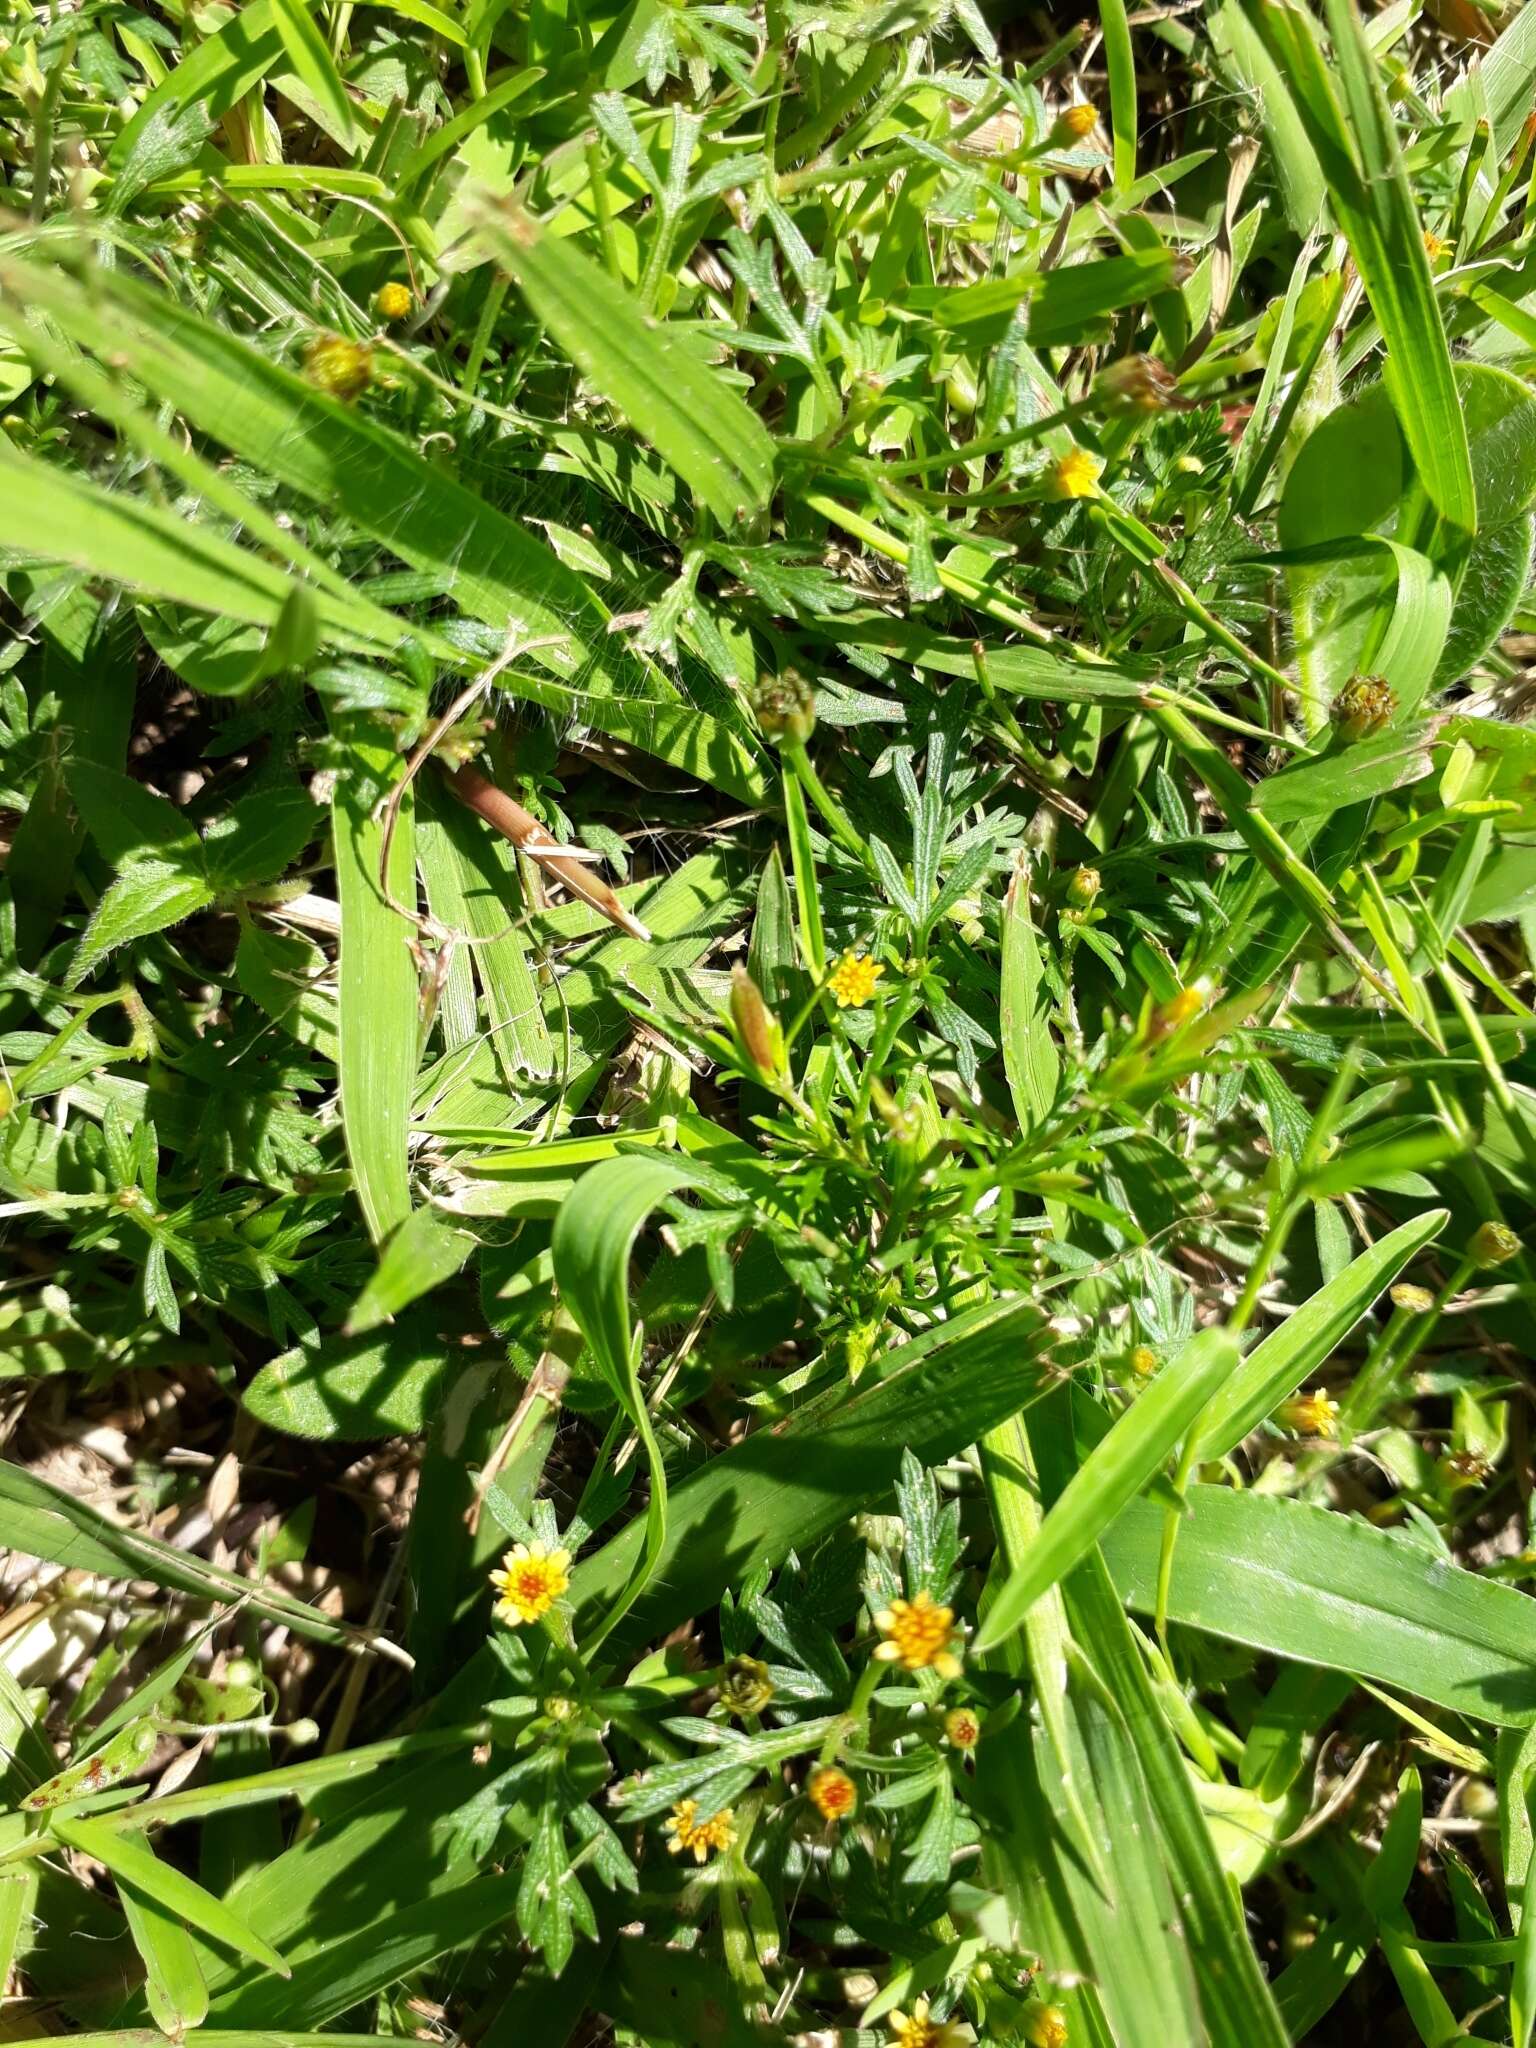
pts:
[768, 1130]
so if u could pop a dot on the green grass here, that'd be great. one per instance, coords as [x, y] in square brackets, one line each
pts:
[1008, 562]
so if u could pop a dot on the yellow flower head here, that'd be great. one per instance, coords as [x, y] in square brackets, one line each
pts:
[1143, 1361]
[531, 1579]
[919, 1633]
[915, 2029]
[852, 981]
[393, 301]
[1046, 2027]
[1075, 124]
[700, 1836]
[832, 1792]
[1416, 1301]
[1435, 245]
[962, 1727]
[1074, 475]
[342, 369]
[1309, 1414]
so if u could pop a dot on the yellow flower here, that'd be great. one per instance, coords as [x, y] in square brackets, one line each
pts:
[915, 2029]
[962, 1727]
[832, 1792]
[1435, 245]
[342, 369]
[1143, 1361]
[1309, 1414]
[852, 981]
[918, 1634]
[1075, 124]
[1412, 1300]
[393, 301]
[531, 1580]
[1074, 475]
[1046, 2027]
[699, 1836]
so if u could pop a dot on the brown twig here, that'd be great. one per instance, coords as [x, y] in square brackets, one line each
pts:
[529, 836]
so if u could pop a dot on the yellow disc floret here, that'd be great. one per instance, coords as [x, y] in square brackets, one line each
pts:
[1309, 1414]
[852, 981]
[531, 1579]
[393, 301]
[919, 1635]
[700, 1838]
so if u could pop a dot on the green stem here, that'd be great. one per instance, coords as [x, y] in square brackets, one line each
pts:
[825, 802]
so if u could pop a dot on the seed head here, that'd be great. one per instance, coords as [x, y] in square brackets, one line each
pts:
[962, 1728]
[1363, 708]
[785, 707]
[1135, 384]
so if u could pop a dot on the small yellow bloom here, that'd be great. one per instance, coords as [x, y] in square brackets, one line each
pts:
[852, 981]
[1417, 1301]
[393, 301]
[915, 2029]
[342, 369]
[1046, 2027]
[1076, 123]
[1435, 245]
[918, 1634]
[701, 1837]
[1075, 474]
[832, 1792]
[962, 1727]
[1143, 1361]
[531, 1579]
[1309, 1414]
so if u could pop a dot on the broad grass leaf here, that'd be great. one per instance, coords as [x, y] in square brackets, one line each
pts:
[696, 423]
[130, 1857]
[1298, 1582]
[1127, 1458]
[1307, 1339]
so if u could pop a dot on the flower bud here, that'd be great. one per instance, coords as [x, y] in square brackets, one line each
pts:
[962, 1728]
[785, 707]
[1413, 1301]
[1143, 1361]
[340, 368]
[1135, 384]
[1493, 1244]
[1363, 708]
[1073, 125]
[745, 1687]
[1084, 887]
[1309, 1414]
[756, 1026]
[1045, 2026]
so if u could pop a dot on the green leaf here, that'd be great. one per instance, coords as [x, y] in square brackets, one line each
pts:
[704, 430]
[1307, 1339]
[174, 1988]
[310, 55]
[1298, 1582]
[424, 1251]
[1133, 1452]
[147, 896]
[379, 999]
[354, 1388]
[1353, 132]
[781, 1488]
[130, 1857]
[1030, 1058]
